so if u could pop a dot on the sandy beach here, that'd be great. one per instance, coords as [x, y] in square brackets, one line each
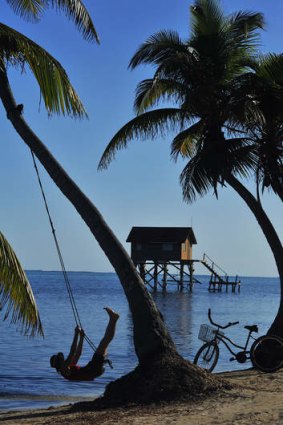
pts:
[256, 398]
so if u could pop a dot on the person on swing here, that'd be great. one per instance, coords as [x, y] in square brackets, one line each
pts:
[69, 368]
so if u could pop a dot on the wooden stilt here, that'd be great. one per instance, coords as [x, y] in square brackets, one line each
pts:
[164, 286]
[181, 280]
[155, 276]
[191, 271]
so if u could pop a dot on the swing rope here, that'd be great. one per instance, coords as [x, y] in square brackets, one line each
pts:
[65, 274]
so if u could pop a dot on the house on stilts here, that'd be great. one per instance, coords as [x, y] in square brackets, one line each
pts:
[164, 255]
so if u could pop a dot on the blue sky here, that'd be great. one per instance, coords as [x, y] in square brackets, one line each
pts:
[141, 186]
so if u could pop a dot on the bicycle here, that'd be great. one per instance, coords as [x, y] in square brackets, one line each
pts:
[266, 352]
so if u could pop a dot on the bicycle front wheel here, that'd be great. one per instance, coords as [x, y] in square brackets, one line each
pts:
[267, 353]
[207, 356]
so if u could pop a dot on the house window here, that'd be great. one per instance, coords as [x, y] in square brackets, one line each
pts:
[184, 246]
[138, 246]
[167, 247]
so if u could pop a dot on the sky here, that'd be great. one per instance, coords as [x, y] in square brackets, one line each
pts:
[141, 187]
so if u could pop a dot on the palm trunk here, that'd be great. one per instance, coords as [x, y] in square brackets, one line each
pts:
[150, 334]
[273, 241]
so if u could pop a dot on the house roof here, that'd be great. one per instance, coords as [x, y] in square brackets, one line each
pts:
[161, 234]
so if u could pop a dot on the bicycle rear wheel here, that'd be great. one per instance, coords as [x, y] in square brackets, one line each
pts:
[207, 356]
[267, 353]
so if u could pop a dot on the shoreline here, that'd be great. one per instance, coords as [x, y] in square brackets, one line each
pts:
[256, 398]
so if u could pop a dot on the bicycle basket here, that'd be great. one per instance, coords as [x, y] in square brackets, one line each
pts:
[206, 333]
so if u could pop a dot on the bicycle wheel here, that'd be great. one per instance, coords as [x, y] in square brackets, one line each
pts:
[267, 353]
[207, 356]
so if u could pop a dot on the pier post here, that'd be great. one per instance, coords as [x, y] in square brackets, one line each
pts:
[155, 276]
[181, 280]
[164, 285]
[191, 270]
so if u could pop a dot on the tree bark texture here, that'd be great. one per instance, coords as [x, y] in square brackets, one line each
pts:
[151, 337]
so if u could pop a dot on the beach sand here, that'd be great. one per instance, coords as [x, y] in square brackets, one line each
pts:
[256, 398]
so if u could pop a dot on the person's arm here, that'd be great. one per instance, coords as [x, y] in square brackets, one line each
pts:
[79, 348]
[74, 347]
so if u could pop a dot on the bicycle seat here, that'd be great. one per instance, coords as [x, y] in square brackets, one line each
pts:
[252, 328]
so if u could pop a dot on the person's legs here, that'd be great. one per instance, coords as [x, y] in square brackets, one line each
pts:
[109, 332]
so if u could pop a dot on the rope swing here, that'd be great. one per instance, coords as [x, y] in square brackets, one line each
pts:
[65, 274]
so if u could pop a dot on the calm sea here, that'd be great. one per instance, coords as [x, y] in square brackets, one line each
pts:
[27, 381]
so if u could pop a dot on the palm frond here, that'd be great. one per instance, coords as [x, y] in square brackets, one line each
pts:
[195, 180]
[149, 125]
[246, 23]
[30, 10]
[16, 296]
[206, 18]
[157, 48]
[151, 91]
[58, 94]
[270, 68]
[77, 12]
[74, 10]
[208, 168]
[185, 143]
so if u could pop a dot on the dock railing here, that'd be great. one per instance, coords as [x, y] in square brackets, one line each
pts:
[215, 268]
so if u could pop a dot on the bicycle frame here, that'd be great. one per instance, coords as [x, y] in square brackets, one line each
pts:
[226, 340]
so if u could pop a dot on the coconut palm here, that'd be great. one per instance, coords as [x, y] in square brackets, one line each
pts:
[204, 77]
[16, 296]
[161, 372]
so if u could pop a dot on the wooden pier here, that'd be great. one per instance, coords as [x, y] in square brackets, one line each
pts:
[219, 278]
[160, 275]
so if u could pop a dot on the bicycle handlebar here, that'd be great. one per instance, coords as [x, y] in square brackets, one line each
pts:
[219, 326]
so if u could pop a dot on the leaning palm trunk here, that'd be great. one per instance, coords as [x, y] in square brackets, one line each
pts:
[162, 374]
[272, 239]
[150, 334]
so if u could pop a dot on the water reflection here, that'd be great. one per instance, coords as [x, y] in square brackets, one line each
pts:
[177, 309]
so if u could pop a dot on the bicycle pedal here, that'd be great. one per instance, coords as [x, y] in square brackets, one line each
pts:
[232, 359]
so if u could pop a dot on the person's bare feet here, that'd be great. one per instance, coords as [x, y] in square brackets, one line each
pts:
[112, 314]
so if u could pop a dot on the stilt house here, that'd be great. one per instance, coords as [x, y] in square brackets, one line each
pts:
[161, 244]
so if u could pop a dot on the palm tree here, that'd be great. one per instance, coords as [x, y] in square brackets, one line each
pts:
[16, 296]
[161, 372]
[204, 77]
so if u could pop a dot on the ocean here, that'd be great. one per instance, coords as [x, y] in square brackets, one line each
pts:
[26, 379]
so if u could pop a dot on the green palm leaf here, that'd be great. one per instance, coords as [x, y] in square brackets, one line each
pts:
[270, 69]
[58, 94]
[16, 295]
[186, 142]
[28, 9]
[211, 164]
[74, 10]
[206, 18]
[77, 12]
[157, 48]
[151, 91]
[151, 124]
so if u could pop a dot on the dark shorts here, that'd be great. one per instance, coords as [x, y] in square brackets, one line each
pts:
[95, 366]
